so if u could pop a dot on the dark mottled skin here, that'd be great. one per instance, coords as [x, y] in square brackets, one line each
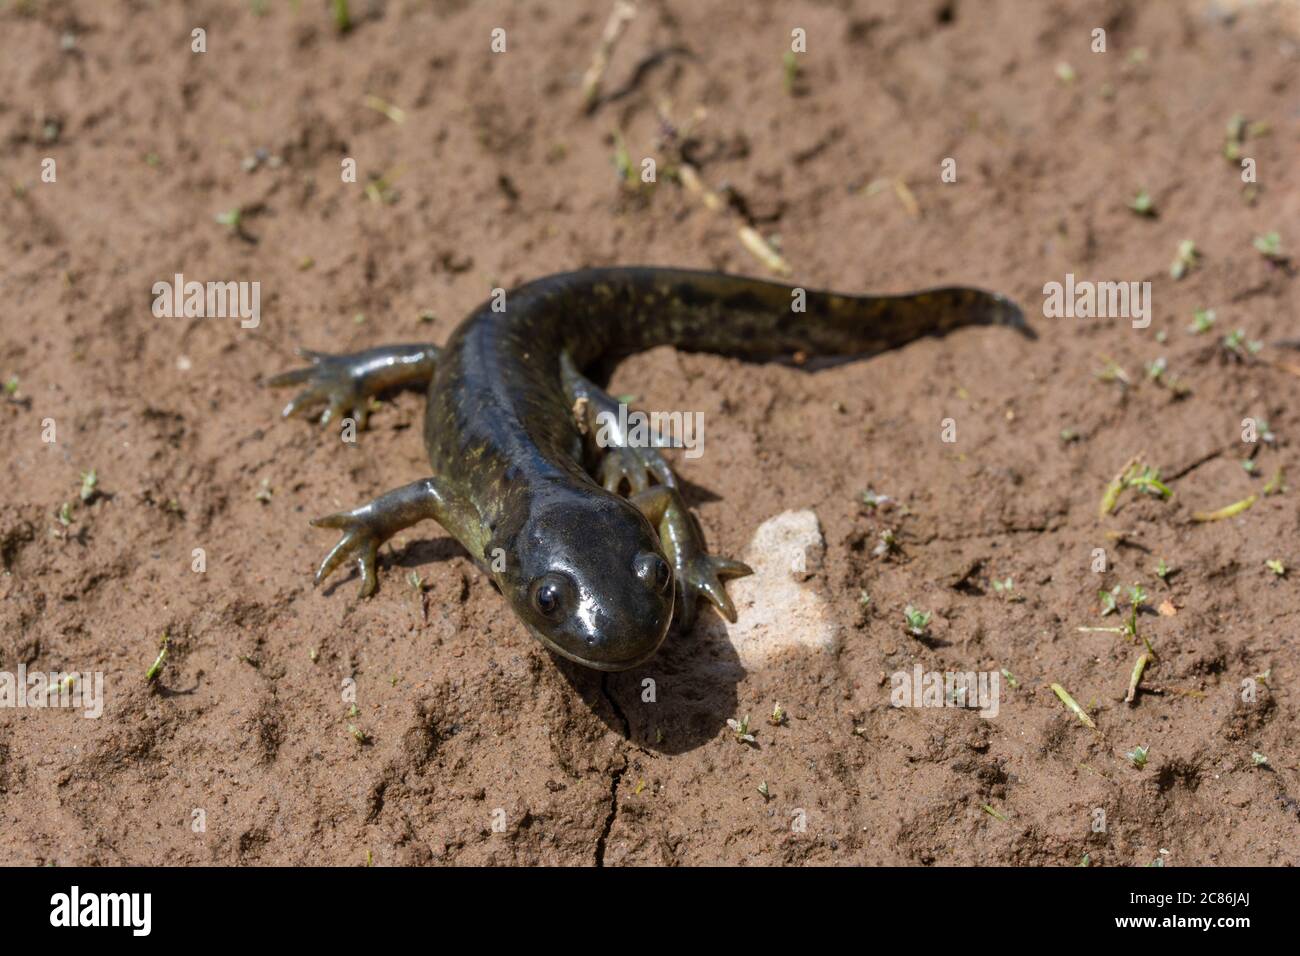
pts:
[595, 574]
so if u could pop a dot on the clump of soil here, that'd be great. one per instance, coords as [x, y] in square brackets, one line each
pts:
[297, 725]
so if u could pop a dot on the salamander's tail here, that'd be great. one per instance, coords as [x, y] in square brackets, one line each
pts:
[754, 318]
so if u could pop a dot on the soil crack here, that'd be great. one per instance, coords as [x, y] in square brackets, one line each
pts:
[616, 777]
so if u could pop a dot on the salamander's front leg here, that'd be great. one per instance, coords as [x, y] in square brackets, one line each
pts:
[696, 571]
[367, 527]
[344, 384]
[619, 461]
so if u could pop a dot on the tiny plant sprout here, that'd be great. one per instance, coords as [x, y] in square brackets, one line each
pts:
[789, 70]
[1138, 757]
[864, 599]
[1162, 570]
[1187, 256]
[1258, 759]
[1236, 342]
[888, 544]
[1109, 600]
[88, 482]
[918, 621]
[762, 788]
[264, 491]
[1142, 204]
[156, 668]
[1202, 321]
[359, 735]
[65, 514]
[873, 500]
[1269, 246]
[1276, 566]
[741, 729]
[11, 386]
[231, 218]
[778, 716]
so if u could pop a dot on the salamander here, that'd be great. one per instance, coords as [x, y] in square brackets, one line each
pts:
[594, 548]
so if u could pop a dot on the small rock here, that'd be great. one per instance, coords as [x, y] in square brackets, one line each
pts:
[777, 606]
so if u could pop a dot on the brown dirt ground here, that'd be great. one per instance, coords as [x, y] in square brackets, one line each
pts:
[499, 178]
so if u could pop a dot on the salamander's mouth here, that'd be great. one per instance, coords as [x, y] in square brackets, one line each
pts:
[616, 665]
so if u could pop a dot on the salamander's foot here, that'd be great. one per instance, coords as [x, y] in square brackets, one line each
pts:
[331, 381]
[367, 527]
[696, 571]
[703, 574]
[344, 384]
[636, 466]
[360, 541]
[620, 462]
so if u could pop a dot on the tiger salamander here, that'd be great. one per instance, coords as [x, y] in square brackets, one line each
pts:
[593, 547]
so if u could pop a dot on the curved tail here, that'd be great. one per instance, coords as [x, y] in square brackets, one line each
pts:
[637, 308]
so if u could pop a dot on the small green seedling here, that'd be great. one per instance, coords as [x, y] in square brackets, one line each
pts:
[342, 19]
[156, 668]
[1269, 246]
[789, 71]
[763, 789]
[873, 500]
[888, 544]
[1138, 757]
[741, 729]
[1142, 204]
[1258, 759]
[11, 386]
[65, 514]
[1010, 678]
[1276, 566]
[1186, 261]
[1163, 570]
[918, 621]
[88, 482]
[1202, 321]
[232, 219]
[778, 716]
[1237, 343]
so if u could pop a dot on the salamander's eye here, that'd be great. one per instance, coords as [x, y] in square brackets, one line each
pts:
[551, 594]
[654, 571]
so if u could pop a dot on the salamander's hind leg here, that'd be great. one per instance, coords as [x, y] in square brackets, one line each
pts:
[367, 527]
[695, 570]
[618, 462]
[344, 384]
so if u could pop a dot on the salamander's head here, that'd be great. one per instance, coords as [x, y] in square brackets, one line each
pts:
[589, 579]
